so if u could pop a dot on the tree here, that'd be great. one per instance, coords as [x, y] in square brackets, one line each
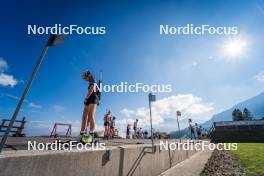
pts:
[234, 115]
[237, 115]
[247, 114]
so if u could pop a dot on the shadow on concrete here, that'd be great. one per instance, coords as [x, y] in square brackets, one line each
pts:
[172, 155]
[106, 157]
[137, 161]
[121, 161]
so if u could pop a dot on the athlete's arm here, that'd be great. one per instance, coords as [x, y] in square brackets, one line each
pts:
[90, 91]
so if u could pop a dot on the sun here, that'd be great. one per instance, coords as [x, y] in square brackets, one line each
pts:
[235, 48]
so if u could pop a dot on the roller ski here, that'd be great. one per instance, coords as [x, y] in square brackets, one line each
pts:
[87, 139]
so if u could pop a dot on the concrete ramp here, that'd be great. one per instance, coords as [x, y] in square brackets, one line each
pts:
[125, 160]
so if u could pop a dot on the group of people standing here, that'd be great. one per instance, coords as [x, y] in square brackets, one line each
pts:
[196, 131]
[138, 133]
[109, 124]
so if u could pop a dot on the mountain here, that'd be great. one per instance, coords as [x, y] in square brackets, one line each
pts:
[255, 105]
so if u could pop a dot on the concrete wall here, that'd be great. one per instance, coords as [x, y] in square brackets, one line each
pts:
[124, 161]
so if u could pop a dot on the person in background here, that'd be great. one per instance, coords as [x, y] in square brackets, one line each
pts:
[107, 120]
[112, 127]
[146, 134]
[199, 132]
[128, 131]
[135, 126]
[192, 129]
[139, 133]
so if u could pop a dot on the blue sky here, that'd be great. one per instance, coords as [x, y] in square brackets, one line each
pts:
[205, 79]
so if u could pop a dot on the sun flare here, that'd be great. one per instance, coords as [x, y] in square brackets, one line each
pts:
[235, 48]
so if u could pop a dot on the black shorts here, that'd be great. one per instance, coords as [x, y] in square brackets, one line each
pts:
[91, 100]
[106, 124]
[112, 127]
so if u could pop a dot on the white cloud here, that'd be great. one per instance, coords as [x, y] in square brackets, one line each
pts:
[260, 76]
[127, 112]
[211, 57]
[58, 108]
[195, 63]
[33, 105]
[33, 111]
[7, 80]
[13, 97]
[3, 65]
[190, 106]
[122, 123]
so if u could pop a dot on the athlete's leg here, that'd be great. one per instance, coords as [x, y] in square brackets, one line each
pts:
[91, 113]
[113, 130]
[110, 132]
[105, 132]
[84, 119]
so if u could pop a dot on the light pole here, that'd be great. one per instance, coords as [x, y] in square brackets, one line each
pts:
[178, 113]
[152, 98]
[53, 40]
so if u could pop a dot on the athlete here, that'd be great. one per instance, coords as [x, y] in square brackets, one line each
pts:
[90, 104]
[112, 127]
[107, 120]
[128, 131]
[135, 126]
[192, 129]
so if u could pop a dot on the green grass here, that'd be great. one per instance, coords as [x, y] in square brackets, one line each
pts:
[251, 156]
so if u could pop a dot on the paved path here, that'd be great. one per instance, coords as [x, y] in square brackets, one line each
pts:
[190, 167]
